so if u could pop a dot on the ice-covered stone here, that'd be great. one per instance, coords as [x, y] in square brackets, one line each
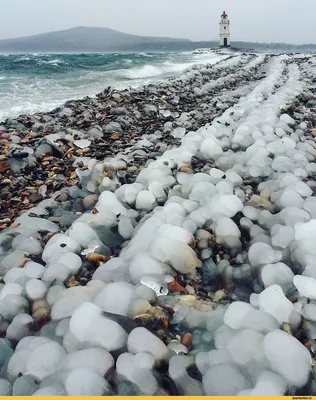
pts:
[10, 289]
[145, 200]
[70, 299]
[34, 270]
[25, 386]
[179, 255]
[277, 274]
[14, 274]
[269, 384]
[20, 327]
[142, 340]
[35, 289]
[5, 387]
[186, 385]
[176, 233]
[60, 244]
[288, 357]
[85, 382]
[56, 273]
[13, 305]
[287, 119]
[245, 346]
[224, 380]
[290, 198]
[226, 204]
[309, 312]
[227, 232]
[97, 359]
[241, 315]
[83, 234]
[273, 301]
[43, 360]
[145, 265]
[157, 189]
[306, 286]
[211, 149]
[310, 206]
[89, 325]
[282, 236]
[137, 369]
[261, 253]
[115, 297]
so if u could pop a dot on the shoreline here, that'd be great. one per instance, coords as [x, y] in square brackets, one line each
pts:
[32, 128]
[166, 236]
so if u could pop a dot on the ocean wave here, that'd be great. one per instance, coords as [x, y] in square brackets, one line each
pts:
[32, 83]
[150, 71]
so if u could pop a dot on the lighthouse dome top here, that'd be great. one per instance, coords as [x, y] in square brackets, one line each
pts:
[224, 15]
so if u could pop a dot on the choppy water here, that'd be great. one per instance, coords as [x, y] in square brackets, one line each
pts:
[41, 82]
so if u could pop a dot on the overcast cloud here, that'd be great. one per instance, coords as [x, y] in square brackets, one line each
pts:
[288, 21]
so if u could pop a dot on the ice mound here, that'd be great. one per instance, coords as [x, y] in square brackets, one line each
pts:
[306, 286]
[303, 248]
[60, 244]
[273, 301]
[138, 369]
[145, 265]
[85, 382]
[141, 340]
[224, 380]
[176, 253]
[277, 274]
[261, 253]
[241, 315]
[269, 384]
[115, 297]
[90, 327]
[70, 299]
[245, 346]
[288, 357]
[35, 356]
[97, 359]
[227, 232]
[211, 148]
[178, 371]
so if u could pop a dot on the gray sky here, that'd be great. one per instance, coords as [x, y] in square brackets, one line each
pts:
[288, 21]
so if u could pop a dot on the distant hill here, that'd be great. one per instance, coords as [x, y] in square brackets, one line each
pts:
[88, 39]
[83, 39]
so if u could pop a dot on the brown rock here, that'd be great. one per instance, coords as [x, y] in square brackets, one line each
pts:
[40, 312]
[97, 258]
[187, 340]
[35, 198]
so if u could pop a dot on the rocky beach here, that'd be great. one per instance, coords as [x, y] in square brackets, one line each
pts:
[159, 240]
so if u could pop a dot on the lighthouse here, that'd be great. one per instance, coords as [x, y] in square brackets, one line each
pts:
[224, 31]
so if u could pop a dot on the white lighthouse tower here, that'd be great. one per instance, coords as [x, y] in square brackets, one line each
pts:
[224, 31]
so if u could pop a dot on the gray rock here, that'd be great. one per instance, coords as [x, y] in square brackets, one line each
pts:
[119, 111]
[95, 133]
[43, 150]
[112, 127]
[66, 112]
[90, 201]
[150, 110]
[25, 386]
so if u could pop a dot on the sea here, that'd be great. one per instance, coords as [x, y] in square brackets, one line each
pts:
[32, 83]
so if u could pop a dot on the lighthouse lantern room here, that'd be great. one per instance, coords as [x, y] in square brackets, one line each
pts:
[224, 33]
